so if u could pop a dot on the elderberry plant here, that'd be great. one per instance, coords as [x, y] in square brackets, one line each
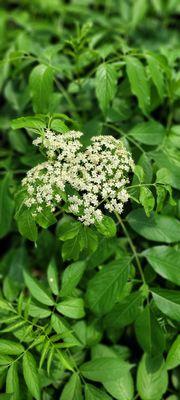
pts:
[89, 206]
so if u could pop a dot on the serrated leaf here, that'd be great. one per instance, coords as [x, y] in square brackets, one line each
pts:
[173, 357]
[93, 393]
[50, 359]
[138, 81]
[150, 133]
[37, 290]
[105, 368]
[138, 171]
[159, 228]
[45, 218]
[6, 205]
[28, 122]
[27, 226]
[106, 81]
[11, 348]
[104, 287]
[139, 9]
[72, 308]
[73, 389]
[146, 198]
[165, 261]
[106, 227]
[124, 312]
[65, 360]
[153, 341]
[4, 305]
[30, 373]
[12, 382]
[41, 86]
[69, 230]
[71, 277]
[156, 74]
[168, 302]
[152, 378]
[44, 353]
[121, 388]
[52, 275]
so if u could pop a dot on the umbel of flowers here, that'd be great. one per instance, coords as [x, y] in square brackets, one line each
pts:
[88, 180]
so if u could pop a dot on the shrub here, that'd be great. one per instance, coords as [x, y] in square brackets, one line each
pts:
[89, 303]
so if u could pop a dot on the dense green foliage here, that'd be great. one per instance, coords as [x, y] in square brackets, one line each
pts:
[91, 312]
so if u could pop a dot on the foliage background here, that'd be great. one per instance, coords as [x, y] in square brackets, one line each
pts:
[96, 66]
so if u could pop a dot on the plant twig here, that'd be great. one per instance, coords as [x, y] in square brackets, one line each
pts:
[132, 247]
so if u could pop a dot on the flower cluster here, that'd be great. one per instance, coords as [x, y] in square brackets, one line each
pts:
[87, 180]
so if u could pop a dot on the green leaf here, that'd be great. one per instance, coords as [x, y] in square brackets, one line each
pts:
[27, 226]
[6, 205]
[138, 81]
[121, 388]
[4, 305]
[65, 360]
[71, 277]
[153, 341]
[30, 373]
[72, 248]
[72, 308]
[103, 288]
[72, 233]
[12, 382]
[45, 218]
[138, 171]
[61, 327]
[139, 10]
[125, 312]
[173, 357]
[5, 360]
[72, 390]
[106, 227]
[105, 82]
[59, 126]
[11, 348]
[104, 368]
[150, 133]
[52, 275]
[168, 302]
[146, 198]
[161, 195]
[152, 378]
[37, 310]
[168, 162]
[156, 74]
[93, 393]
[165, 261]
[88, 240]
[69, 230]
[41, 86]
[159, 228]
[44, 352]
[28, 122]
[37, 290]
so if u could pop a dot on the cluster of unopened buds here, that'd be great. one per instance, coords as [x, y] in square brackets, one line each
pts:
[89, 180]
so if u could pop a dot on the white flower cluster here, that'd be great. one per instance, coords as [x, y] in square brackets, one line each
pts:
[95, 176]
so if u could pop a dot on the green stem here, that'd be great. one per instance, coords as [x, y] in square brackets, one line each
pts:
[141, 184]
[68, 98]
[132, 247]
[124, 135]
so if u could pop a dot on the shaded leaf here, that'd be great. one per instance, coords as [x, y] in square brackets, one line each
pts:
[104, 287]
[37, 290]
[30, 373]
